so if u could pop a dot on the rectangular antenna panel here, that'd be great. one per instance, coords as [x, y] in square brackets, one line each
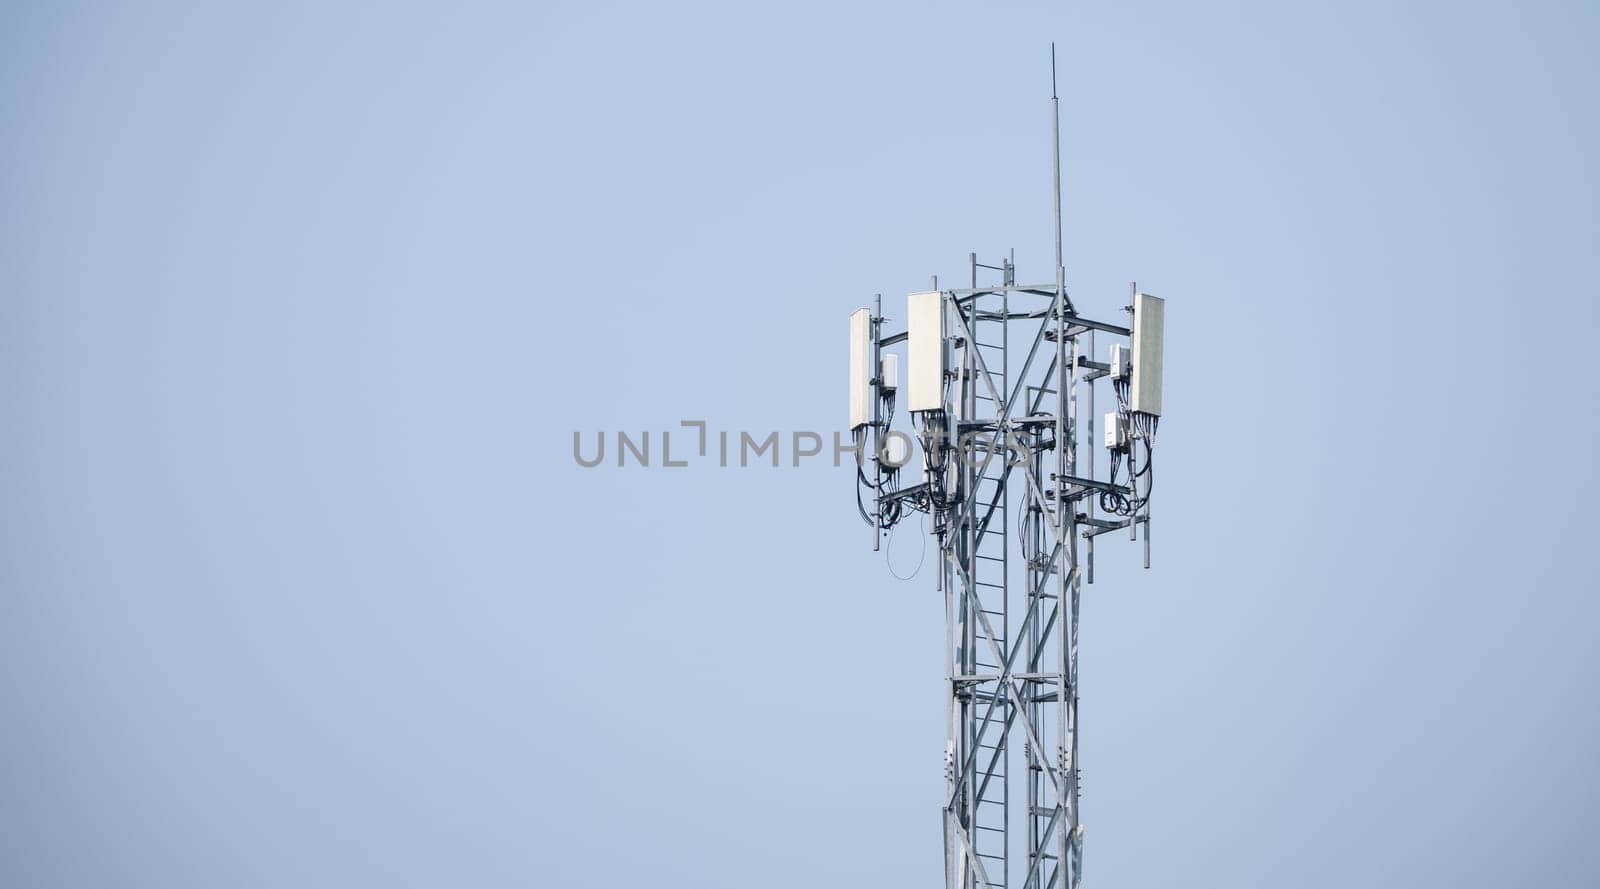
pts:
[860, 368]
[1148, 321]
[925, 351]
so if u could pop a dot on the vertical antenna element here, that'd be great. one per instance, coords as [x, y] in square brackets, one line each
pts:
[1055, 136]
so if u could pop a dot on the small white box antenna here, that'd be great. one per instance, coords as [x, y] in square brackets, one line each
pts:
[1116, 433]
[1121, 361]
[896, 450]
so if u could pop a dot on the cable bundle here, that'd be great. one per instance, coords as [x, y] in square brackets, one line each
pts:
[1142, 427]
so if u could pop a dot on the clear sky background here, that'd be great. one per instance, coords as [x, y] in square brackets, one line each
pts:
[300, 305]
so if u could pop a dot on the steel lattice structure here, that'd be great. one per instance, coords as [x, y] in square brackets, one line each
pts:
[1008, 440]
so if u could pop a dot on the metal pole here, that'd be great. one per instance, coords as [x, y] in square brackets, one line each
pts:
[951, 670]
[876, 393]
[1057, 485]
[1093, 445]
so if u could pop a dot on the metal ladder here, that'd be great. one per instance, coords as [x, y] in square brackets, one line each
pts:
[989, 567]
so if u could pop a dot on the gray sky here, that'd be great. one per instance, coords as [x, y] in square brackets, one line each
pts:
[299, 308]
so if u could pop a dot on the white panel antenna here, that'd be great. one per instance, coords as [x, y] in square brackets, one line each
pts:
[1148, 320]
[860, 367]
[925, 351]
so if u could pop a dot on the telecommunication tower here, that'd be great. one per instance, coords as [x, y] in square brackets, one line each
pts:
[999, 397]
